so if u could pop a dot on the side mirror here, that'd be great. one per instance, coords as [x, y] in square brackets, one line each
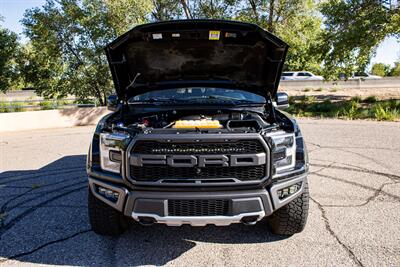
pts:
[282, 100]
[112, 102]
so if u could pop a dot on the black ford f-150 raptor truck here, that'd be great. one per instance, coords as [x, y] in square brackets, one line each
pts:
[197, 135]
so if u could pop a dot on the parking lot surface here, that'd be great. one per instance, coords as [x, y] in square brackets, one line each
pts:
[354, 217]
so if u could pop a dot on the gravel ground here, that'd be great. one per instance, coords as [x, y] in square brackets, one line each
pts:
[354, 215]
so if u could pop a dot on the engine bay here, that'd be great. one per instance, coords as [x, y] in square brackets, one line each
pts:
[191, 121]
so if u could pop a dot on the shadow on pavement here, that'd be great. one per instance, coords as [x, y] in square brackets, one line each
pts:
[84, 116]
[43, 219]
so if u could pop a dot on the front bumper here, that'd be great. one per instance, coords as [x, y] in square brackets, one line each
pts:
[244, 205]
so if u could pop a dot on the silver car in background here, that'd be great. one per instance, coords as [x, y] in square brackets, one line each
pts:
[300, 75]
[364, 76]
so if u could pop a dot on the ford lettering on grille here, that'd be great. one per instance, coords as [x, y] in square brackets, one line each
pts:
[198, 160]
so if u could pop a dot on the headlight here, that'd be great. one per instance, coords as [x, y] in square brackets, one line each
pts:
[283, 147]
[111, 145]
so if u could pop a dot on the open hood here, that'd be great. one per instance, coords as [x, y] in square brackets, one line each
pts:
[192, 53]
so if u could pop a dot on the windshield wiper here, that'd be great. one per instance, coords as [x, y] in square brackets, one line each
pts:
[156, 100]
[226, 101]
[197, 100]
[248, 102]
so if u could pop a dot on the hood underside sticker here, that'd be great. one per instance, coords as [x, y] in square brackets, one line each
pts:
[230, 35]
[214, 35]
[157, 36]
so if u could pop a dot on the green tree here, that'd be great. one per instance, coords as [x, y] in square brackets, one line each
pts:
[41, 71]
[354, 29]
[295, 21]
[395, 71]
[165, 10]
[8, 50]
[125, 14]
[380, 69]
[66, 53]
[216, 9]
[302, 30]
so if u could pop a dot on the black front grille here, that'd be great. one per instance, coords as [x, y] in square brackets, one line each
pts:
[156, 172]
[229, 147]
[198, 207]
[152, 173]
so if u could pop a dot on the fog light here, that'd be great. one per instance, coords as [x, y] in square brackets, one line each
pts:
[108, 193]
[288, 191]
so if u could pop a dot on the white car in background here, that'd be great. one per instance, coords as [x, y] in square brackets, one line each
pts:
[364, 76]
[300, 75]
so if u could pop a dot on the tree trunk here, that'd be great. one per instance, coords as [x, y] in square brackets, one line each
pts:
[254, 9]
[186, 9]
[98, 93]
[271, 16]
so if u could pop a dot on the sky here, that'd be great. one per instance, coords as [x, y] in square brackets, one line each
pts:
[12, 12]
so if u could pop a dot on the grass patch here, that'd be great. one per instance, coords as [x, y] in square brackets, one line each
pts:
[318, 90]
[355, 99]
[333, 90]
[308, 106]
[18, 106]
[61, 103]
[46, 105]
[291, 100]
[387, 111]
[3, 106]
[83, 101]
[6, 106]
[351, 110]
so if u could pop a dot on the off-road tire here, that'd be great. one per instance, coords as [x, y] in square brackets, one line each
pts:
[104, 219]
[291, 218]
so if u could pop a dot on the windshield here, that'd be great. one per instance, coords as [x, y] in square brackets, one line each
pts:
[361, 74]
[199, 95]
[287, 74]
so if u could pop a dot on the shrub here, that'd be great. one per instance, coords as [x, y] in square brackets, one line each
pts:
[61, 103]
[309, 99]
[3, 106]
[83, 101]
[370, 99]
[355, 99]
[6, 106]
[384, 113]
[17, 107]
[394, 104]
[324, 107]
[46, 105]
[380, 69]
[350, 109]
[350, 112]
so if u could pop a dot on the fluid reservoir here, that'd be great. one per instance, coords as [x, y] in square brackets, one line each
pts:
[199, 124]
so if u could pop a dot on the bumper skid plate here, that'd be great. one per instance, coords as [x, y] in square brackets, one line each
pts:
[199, 220]
[244, 206]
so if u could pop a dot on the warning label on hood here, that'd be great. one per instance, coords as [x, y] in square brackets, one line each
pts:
[214, 35]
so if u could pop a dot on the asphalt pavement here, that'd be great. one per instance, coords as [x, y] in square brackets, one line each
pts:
[354, 217]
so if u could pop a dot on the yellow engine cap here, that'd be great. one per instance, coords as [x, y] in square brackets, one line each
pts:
[200, 124]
